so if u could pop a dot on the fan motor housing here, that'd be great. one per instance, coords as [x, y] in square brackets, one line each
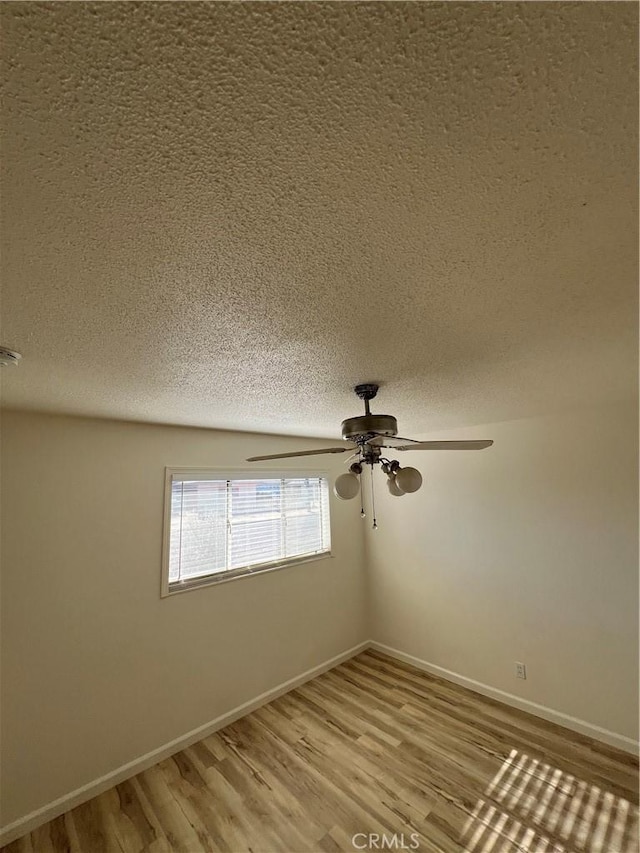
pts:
[353, 428]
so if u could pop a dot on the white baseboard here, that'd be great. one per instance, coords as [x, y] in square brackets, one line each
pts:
[75, 798]
[622, 742]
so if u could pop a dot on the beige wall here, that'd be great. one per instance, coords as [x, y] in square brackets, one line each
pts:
[97, 669]
[526, 552]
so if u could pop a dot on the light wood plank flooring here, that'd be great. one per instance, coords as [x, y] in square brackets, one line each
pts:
[372, 755]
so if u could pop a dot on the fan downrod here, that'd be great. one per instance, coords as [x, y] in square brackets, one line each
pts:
[366, 391]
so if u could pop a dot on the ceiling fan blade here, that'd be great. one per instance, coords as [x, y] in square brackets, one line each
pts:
[301, 453]
[478, 444]
[395, 438]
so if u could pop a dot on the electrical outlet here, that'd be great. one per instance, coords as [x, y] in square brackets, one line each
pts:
[521, 670]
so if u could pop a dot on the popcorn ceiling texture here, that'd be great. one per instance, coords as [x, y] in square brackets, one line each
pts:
[229, 214]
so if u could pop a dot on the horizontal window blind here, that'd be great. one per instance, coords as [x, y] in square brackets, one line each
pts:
[220, 526]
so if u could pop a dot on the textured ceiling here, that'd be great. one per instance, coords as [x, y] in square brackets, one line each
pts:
[228, 214]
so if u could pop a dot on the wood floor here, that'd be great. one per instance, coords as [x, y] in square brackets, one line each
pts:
[373, 755]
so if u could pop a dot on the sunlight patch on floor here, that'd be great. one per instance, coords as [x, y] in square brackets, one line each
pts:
[541, 809]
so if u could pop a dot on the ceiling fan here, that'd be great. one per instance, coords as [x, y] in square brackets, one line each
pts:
[367, 436]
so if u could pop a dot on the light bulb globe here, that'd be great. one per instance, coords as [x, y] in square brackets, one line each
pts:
[409, 479]
[346, 487]
[394, 488]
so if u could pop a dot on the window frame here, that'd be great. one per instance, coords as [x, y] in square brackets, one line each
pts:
[168, 589]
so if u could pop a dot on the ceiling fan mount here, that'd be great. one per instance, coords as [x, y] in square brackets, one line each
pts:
[367, 391]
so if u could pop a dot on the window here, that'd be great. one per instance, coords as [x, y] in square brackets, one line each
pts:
[218, 528]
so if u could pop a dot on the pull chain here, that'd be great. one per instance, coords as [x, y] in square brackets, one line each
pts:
[362, 512]
[373, 502]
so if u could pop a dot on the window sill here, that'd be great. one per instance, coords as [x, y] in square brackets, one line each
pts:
[238, 574]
